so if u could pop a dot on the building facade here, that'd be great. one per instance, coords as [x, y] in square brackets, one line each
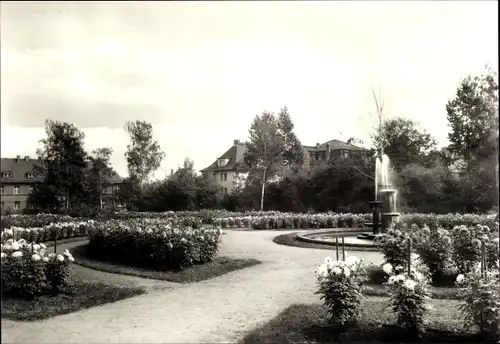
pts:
[17, 178]
[229, 170]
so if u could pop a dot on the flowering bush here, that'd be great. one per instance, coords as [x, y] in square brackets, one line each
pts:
[153, 243]
[340, 289]
[62, 230]
[408, 295]
[467, 246]
[29, 221]
[27, 269]
[393, 246]
[480, 301]
[434, 248]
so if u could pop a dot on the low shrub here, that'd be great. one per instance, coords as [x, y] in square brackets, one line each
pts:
[152, 243]
[340, 289]
[27, 269]
[480, 302]
[59, 231]
[393, 245]
[408, 296]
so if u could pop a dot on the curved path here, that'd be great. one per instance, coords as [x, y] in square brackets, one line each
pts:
[222, 309]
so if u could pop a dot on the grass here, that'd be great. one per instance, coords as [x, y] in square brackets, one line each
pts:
[80, 294]
[196, 273]
[290, 239]
[308, 324]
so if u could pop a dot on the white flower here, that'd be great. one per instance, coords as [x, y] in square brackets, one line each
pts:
[418, 276]
[387, 268]
[36, 257]
[347, 271]
[336, 270]
[36, 247]
[17, 254]
[43, 246]
[66, 252]
[4, 255]
[46, 259]
[52, 255]
[409, 284]
[322, 271]
[60, 258]
[399, 278]
[15, 245]
[460, 278]
[9, 232]
[352, 260]
[71, 259]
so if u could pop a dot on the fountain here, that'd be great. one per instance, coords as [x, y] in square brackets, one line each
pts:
[383, 210]
[385, 198]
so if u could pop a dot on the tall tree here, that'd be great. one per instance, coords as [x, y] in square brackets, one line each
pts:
[62, 166]
[404, 142]
[473, 118]
[144, 154]
[272, 146]
[99, 172]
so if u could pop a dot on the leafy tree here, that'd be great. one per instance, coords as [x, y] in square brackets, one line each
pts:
[99, 172]
[62, 167]
[272, 146]
[473, 118]
[143, 155]
[404, 142]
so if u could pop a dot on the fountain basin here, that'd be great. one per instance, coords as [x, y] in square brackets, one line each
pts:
[328, 236]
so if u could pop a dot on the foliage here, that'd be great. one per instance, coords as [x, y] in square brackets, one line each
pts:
[480, 302]
[152, 243]
[408, 295]
[143, 154]
[394, 247]
[27, 269]
[60, 230]
[434, 247]
[97, 175]
[61, 169]
[404, 142]
[272, 146]
[340, 289]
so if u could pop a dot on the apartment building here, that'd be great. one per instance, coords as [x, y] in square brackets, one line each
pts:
[322, 153]
[17, 179]
[228, 171]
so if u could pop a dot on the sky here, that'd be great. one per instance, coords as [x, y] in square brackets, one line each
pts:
[201, 71]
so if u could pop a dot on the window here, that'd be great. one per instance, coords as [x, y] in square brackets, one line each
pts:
[16, 190]
[1, 190]
[31, 188]
[30, 175]
[17, 205]
[1, 206]
[222, 177]
[225, 176]
[225, 191]
[7, 174]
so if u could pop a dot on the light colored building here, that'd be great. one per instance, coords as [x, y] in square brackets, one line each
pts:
[332, 149]
[17, 178]
[228, 171]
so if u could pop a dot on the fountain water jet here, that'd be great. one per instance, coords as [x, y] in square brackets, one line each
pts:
[385, 198]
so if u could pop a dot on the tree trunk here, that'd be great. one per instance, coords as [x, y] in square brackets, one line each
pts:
[262, 192]
[100, 191]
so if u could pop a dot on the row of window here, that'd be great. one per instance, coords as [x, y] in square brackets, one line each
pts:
[16, 189]
[223, 176]
[29, 175]
[17, 205]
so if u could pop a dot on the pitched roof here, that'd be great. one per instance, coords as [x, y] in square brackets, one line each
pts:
[334, 145]
[234, 154]
[19, 167]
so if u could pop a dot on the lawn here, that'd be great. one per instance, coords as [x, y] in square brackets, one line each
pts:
[80, 294]
[308, 324]
[196, 273]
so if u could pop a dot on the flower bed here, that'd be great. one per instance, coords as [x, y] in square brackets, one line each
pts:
[33, 221]
[28, 269]
[59, 231]
[153, 243]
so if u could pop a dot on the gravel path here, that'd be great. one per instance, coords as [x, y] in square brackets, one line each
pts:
[222, 309]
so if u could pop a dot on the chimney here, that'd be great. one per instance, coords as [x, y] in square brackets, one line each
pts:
[317, 145]
[327, 157]
[171, 171]
[27, 158]
[18, 158]
[236, 142]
